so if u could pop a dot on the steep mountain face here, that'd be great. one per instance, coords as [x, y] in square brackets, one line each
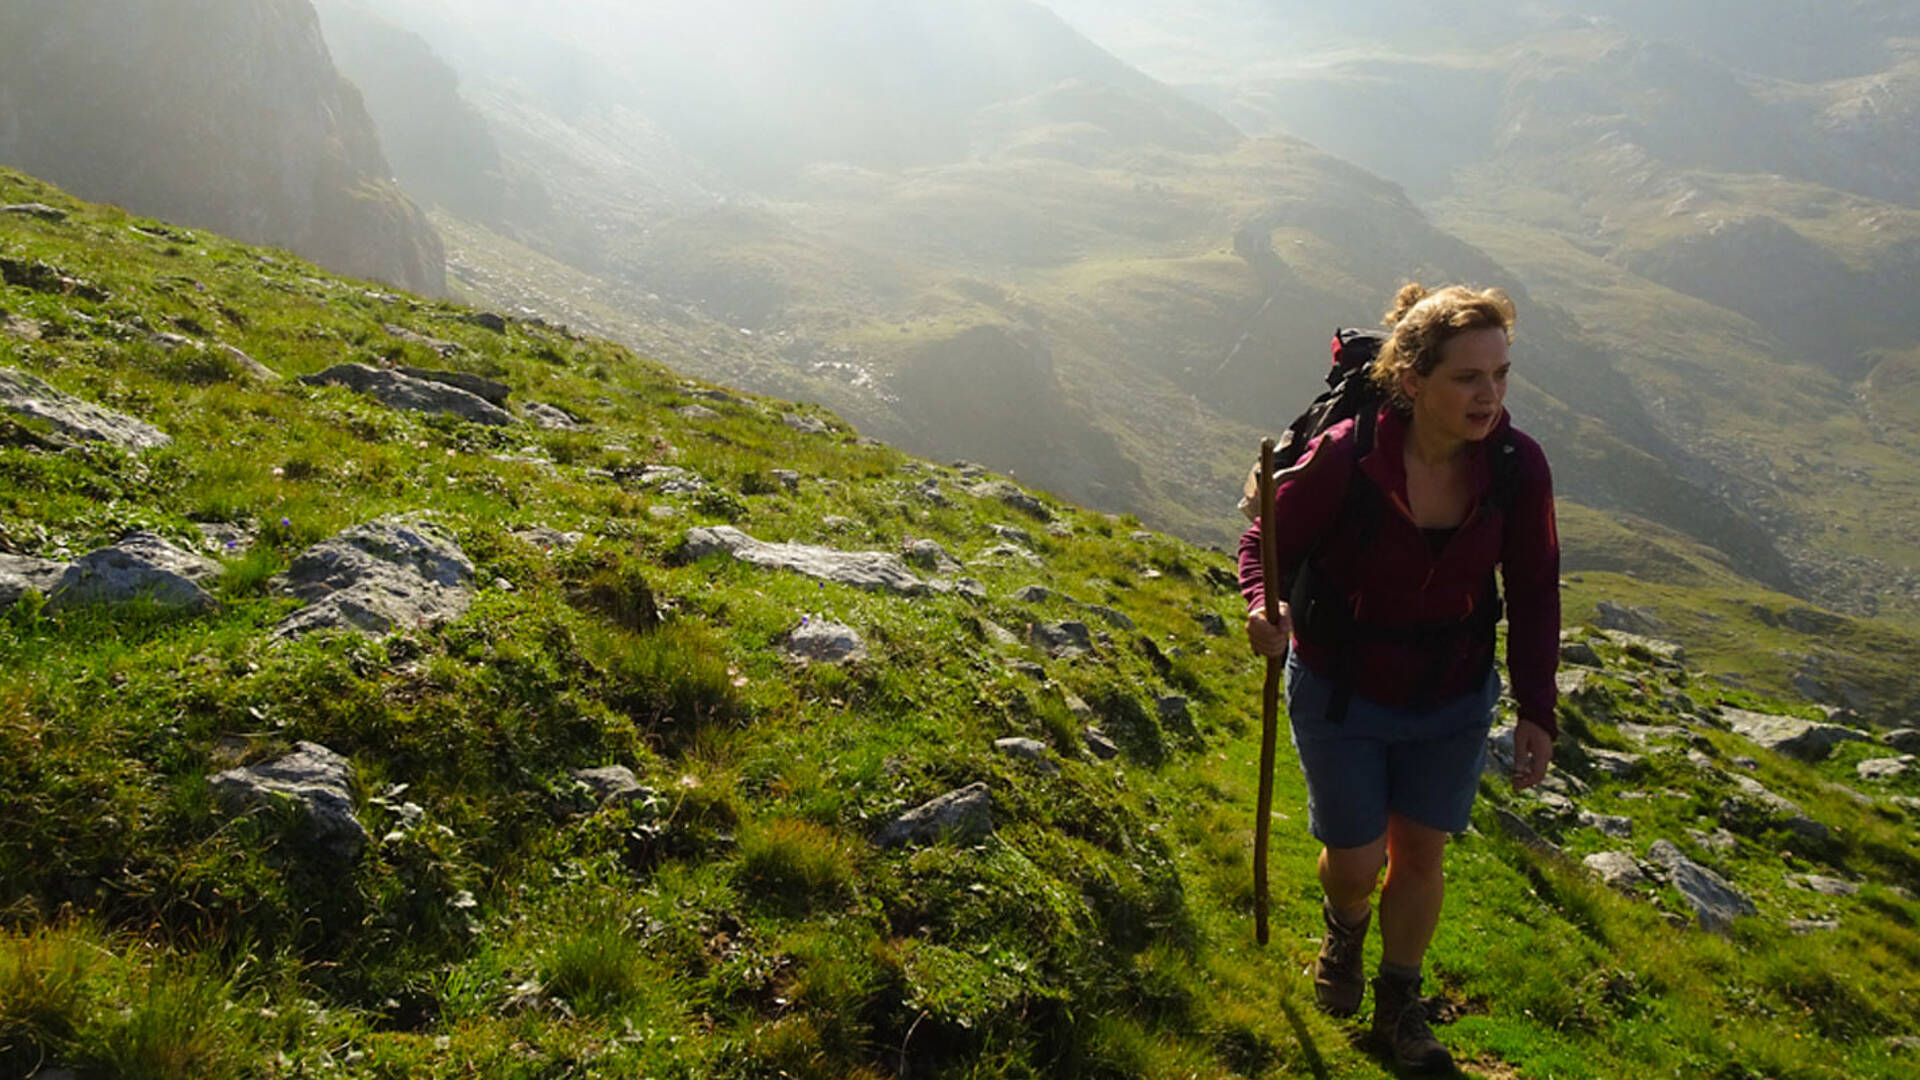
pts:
[226, 114]
[441, 147]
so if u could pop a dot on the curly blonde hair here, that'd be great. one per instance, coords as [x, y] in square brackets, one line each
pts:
[1423, 320]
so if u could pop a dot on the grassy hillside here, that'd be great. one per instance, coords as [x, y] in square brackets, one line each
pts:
[735, 917]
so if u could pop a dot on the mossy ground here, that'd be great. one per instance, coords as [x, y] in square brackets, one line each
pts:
[738, 920]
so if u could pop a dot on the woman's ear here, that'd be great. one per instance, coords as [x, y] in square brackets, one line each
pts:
[1410, 381]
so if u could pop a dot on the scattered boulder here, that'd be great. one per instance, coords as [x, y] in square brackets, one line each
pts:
[805, 425]
[35, 210]
[1825, 886]
[667, 479]
[1662, 652]
[1615, 764]
[395, 573]
[255, 370]
[313, 777]
[1794, 817]
[787, 478]
[1885, 768]
[1580, 652]
[73, 420]
[1036, 594]
[1113, 618]
[1905, 740]
[1614, 825]
[41, 277]
[1009, 553]
[1013, 535]
[696, 412]
[1618, 870]
[1812, 926]
[714, 395]
[872, 570]
[1803, 739]
[1715, 903]
[400, 391]
[550, 417]
[1211, 624]
[1516, 827]
[143, 565]
[929, 555]
[966, 814]
[998, 634]
[1719, 841]
[613, 785]
[1029, 750]
[1061, 640]
[550, 539]
[817, 641]
[1633, 620]
[1174, 713]
[1011, 495]
[20, 574]
[1102, 747]
[485, 320]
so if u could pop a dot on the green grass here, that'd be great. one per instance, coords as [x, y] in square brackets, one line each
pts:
[735, 919]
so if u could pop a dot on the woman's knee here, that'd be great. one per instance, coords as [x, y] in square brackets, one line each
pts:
[1413, 848]
[1354, 867]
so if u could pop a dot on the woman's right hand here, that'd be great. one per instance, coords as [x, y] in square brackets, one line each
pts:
[1268, 639]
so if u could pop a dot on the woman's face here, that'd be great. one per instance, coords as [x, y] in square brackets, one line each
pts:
[1462, 397]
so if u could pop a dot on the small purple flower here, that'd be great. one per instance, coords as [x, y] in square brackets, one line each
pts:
[286, 523]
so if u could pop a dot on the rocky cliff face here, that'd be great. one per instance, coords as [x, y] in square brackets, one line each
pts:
[226, 114]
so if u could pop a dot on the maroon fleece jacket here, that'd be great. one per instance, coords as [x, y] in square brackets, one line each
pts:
[1395, 578]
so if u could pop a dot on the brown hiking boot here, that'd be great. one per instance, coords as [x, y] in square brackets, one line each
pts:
[1339, 980]
[1400, 1026]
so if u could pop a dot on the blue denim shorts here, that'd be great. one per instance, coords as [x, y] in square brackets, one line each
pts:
[1421, 763]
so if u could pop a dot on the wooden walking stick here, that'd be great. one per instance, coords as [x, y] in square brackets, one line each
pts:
[1270, 696]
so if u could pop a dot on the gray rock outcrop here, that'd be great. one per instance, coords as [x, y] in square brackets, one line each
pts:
[74, 420]
[492, 391]
[1100, 745]
[142, 565]
[1905, 740]
[1617, 869]
[612, 785]
[1778, 806]
[396, 573]
[1715, 903]
[817, 641]
[872, 570]
[314, 778]
[966, 814]
[1885, 768]
[398, 391]
[550, 417]
[1060, 640]
[929, 555]
[1011, 495]
[805, 425]
[1806, 740]
[1027, 750]
[21, 573]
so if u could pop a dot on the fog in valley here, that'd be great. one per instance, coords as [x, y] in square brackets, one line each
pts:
[1100, 246]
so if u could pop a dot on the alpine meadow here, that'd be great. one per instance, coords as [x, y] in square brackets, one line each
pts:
[667, 540]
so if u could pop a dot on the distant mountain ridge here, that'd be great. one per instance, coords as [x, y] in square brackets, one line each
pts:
[226, 114]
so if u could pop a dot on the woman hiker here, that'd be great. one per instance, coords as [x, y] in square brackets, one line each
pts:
[1391, 527]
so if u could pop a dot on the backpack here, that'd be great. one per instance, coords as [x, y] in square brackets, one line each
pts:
[1351, 393]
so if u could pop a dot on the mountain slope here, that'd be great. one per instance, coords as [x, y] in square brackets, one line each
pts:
[730, 908]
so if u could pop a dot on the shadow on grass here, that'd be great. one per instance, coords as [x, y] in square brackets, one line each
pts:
[1316, 1064]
